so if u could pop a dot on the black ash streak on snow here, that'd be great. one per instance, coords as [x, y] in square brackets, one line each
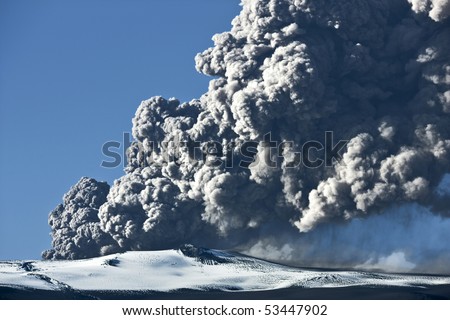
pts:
[375, 73]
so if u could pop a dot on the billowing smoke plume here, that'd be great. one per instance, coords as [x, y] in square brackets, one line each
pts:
[75, 225]
[375, 73]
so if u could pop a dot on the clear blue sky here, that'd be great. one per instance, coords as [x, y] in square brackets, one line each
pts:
[72, 74]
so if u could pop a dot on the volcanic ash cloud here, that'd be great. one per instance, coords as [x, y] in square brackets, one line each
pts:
[374, 73]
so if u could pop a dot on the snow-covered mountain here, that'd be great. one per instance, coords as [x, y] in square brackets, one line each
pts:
[188, 268]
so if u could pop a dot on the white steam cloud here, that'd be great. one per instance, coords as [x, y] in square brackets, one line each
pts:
[437, 9]
[372, 72]
[395, 262]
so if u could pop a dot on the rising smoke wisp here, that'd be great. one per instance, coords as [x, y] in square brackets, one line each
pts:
[374, 72]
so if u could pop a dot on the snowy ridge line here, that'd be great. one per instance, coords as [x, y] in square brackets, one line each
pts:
[188, 268]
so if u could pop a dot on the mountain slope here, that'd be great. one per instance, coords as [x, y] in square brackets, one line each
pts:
[188, 268]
